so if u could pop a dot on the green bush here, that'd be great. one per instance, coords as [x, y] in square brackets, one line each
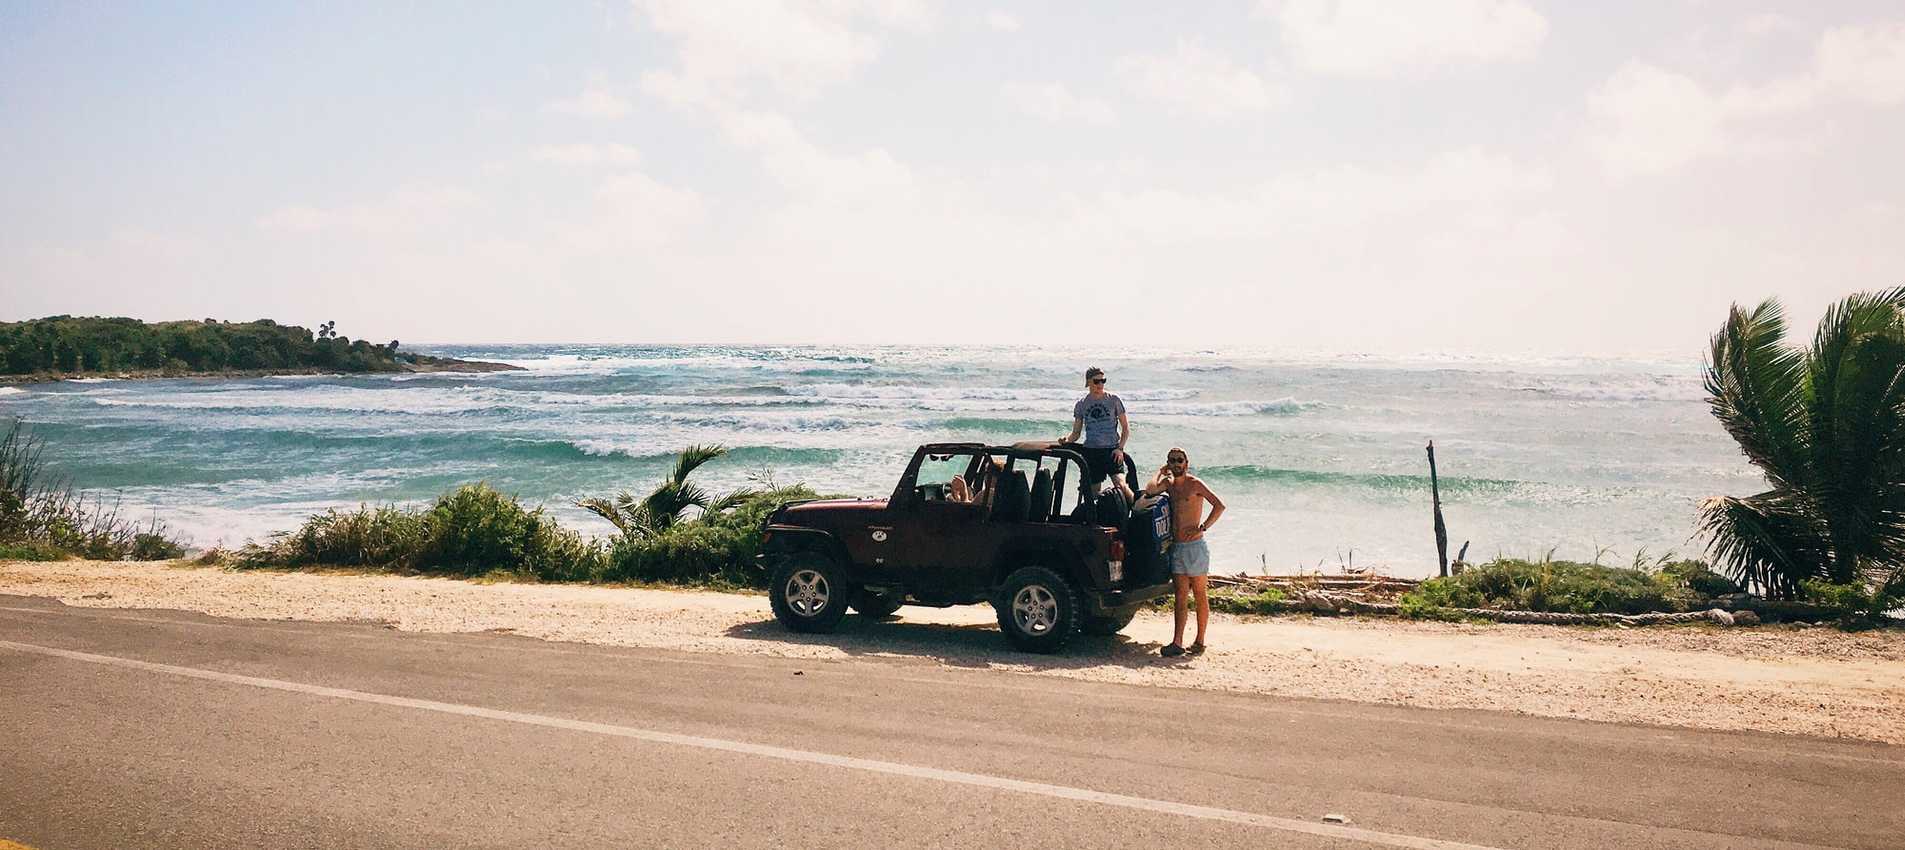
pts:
[383, 536]
[1560, 586]
[476, 529]
[154, 546]
[1700, 578]
[470, 531]
[1854, 603]
[711, 549]
[29, 550]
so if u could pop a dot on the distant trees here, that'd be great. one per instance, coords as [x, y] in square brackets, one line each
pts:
[70, 345]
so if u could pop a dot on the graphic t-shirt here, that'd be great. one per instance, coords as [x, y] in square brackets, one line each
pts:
[1101, 419]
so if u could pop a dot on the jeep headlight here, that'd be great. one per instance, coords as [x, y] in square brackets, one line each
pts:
[1116, 568]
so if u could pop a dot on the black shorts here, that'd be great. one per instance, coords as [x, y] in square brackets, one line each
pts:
[1098, 465]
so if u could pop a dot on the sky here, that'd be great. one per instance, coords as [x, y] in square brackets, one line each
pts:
[1489, 176]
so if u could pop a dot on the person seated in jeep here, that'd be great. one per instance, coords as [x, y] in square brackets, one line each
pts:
[981, 492]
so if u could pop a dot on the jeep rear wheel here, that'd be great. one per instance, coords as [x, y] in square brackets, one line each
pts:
[810, 593]
[1038, 609]
[877, 605]
[1109, 624]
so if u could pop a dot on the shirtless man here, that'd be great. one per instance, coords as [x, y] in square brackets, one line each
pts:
[1190, 555]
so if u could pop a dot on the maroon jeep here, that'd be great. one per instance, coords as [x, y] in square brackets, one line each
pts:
[1051, 558]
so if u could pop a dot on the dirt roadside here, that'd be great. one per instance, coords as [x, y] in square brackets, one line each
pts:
[1816, 681]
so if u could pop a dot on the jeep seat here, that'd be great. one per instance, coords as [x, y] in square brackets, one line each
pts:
[1014, 500]
[1041, 497]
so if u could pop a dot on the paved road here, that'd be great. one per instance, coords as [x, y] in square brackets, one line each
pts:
[161, 729]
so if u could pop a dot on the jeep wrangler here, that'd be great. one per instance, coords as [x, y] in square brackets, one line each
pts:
[1050, 566]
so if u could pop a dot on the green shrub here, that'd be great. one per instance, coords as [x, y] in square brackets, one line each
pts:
[476, 529]
[1698, 577]
[1560, 586]
[384, 536]
[154, 546]
[29, 550]
[1854, 603]
[715, 548]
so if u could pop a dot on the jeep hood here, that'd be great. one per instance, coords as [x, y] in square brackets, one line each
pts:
[832, 506]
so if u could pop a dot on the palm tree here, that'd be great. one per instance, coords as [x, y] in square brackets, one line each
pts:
[669, 502]
[1826, 426]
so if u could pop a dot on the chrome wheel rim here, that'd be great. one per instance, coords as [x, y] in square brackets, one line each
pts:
[808, 592]
[1035, 609]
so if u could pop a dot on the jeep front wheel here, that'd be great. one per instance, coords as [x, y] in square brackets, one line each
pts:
[1038, 609]
[809, 593]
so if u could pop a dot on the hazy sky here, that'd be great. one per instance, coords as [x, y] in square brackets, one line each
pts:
[1352, 175]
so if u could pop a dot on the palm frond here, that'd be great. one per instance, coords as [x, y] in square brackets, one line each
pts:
[1755, 385]
[692, 458]
[1768, 541]
[663, 508]
[1853, 409]
[730, 501]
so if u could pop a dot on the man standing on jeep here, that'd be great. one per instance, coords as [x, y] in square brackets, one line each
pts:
[1190, 555]
[1100, 416]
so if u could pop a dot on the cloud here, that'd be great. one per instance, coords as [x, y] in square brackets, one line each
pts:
[1200, 80]
[1002, 21]
[1377, 38]
[586, 154]
[407, 210]
[1055, 103]
[1341, 199]
[595, 101]
[1648, 119]
[796, 47]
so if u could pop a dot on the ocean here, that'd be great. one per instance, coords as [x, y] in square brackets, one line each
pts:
[1319, 457]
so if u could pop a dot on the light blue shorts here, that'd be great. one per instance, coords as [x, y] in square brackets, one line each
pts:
[1190, 559]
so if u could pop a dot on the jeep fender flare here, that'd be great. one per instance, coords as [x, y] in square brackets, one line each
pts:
[794, 538]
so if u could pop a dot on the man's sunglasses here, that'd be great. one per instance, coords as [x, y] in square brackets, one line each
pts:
[1098, 380]
[1177, 460]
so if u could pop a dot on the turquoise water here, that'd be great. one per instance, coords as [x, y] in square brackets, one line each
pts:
[1320, 457]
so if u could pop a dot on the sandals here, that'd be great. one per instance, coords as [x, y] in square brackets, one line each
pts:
[1171, 651]
[1195, 649]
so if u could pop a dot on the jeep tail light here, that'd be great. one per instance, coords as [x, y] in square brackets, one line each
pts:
[1117, 550]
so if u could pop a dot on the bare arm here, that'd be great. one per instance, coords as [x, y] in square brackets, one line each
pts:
[1216, 504]
[1078, 425]
[1124, 431]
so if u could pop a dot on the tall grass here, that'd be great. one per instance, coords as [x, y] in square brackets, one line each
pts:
[42, 517]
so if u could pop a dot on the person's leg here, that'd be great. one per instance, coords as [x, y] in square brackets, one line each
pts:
[1177, 621]
[1200, 585]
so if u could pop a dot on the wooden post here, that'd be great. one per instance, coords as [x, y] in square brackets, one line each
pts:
[1441, 531]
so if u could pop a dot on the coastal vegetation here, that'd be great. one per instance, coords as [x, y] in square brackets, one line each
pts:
[68, 345]
[1825, 424]
[676, 534]
[43, 518]
[1568, 587]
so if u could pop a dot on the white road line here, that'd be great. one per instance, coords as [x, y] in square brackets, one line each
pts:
[956, 777]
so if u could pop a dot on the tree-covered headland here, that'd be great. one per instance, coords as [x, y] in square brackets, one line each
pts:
[68, 345]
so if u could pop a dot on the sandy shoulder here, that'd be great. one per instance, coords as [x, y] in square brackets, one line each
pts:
[1774, 679]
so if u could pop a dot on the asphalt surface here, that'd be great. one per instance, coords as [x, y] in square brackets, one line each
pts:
[154, 729]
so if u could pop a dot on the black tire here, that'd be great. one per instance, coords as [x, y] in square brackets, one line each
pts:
[877, 605]
[810, 592]
[1110, 624]
[1038, 609]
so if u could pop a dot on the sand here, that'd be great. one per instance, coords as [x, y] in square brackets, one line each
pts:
[1780, 679]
